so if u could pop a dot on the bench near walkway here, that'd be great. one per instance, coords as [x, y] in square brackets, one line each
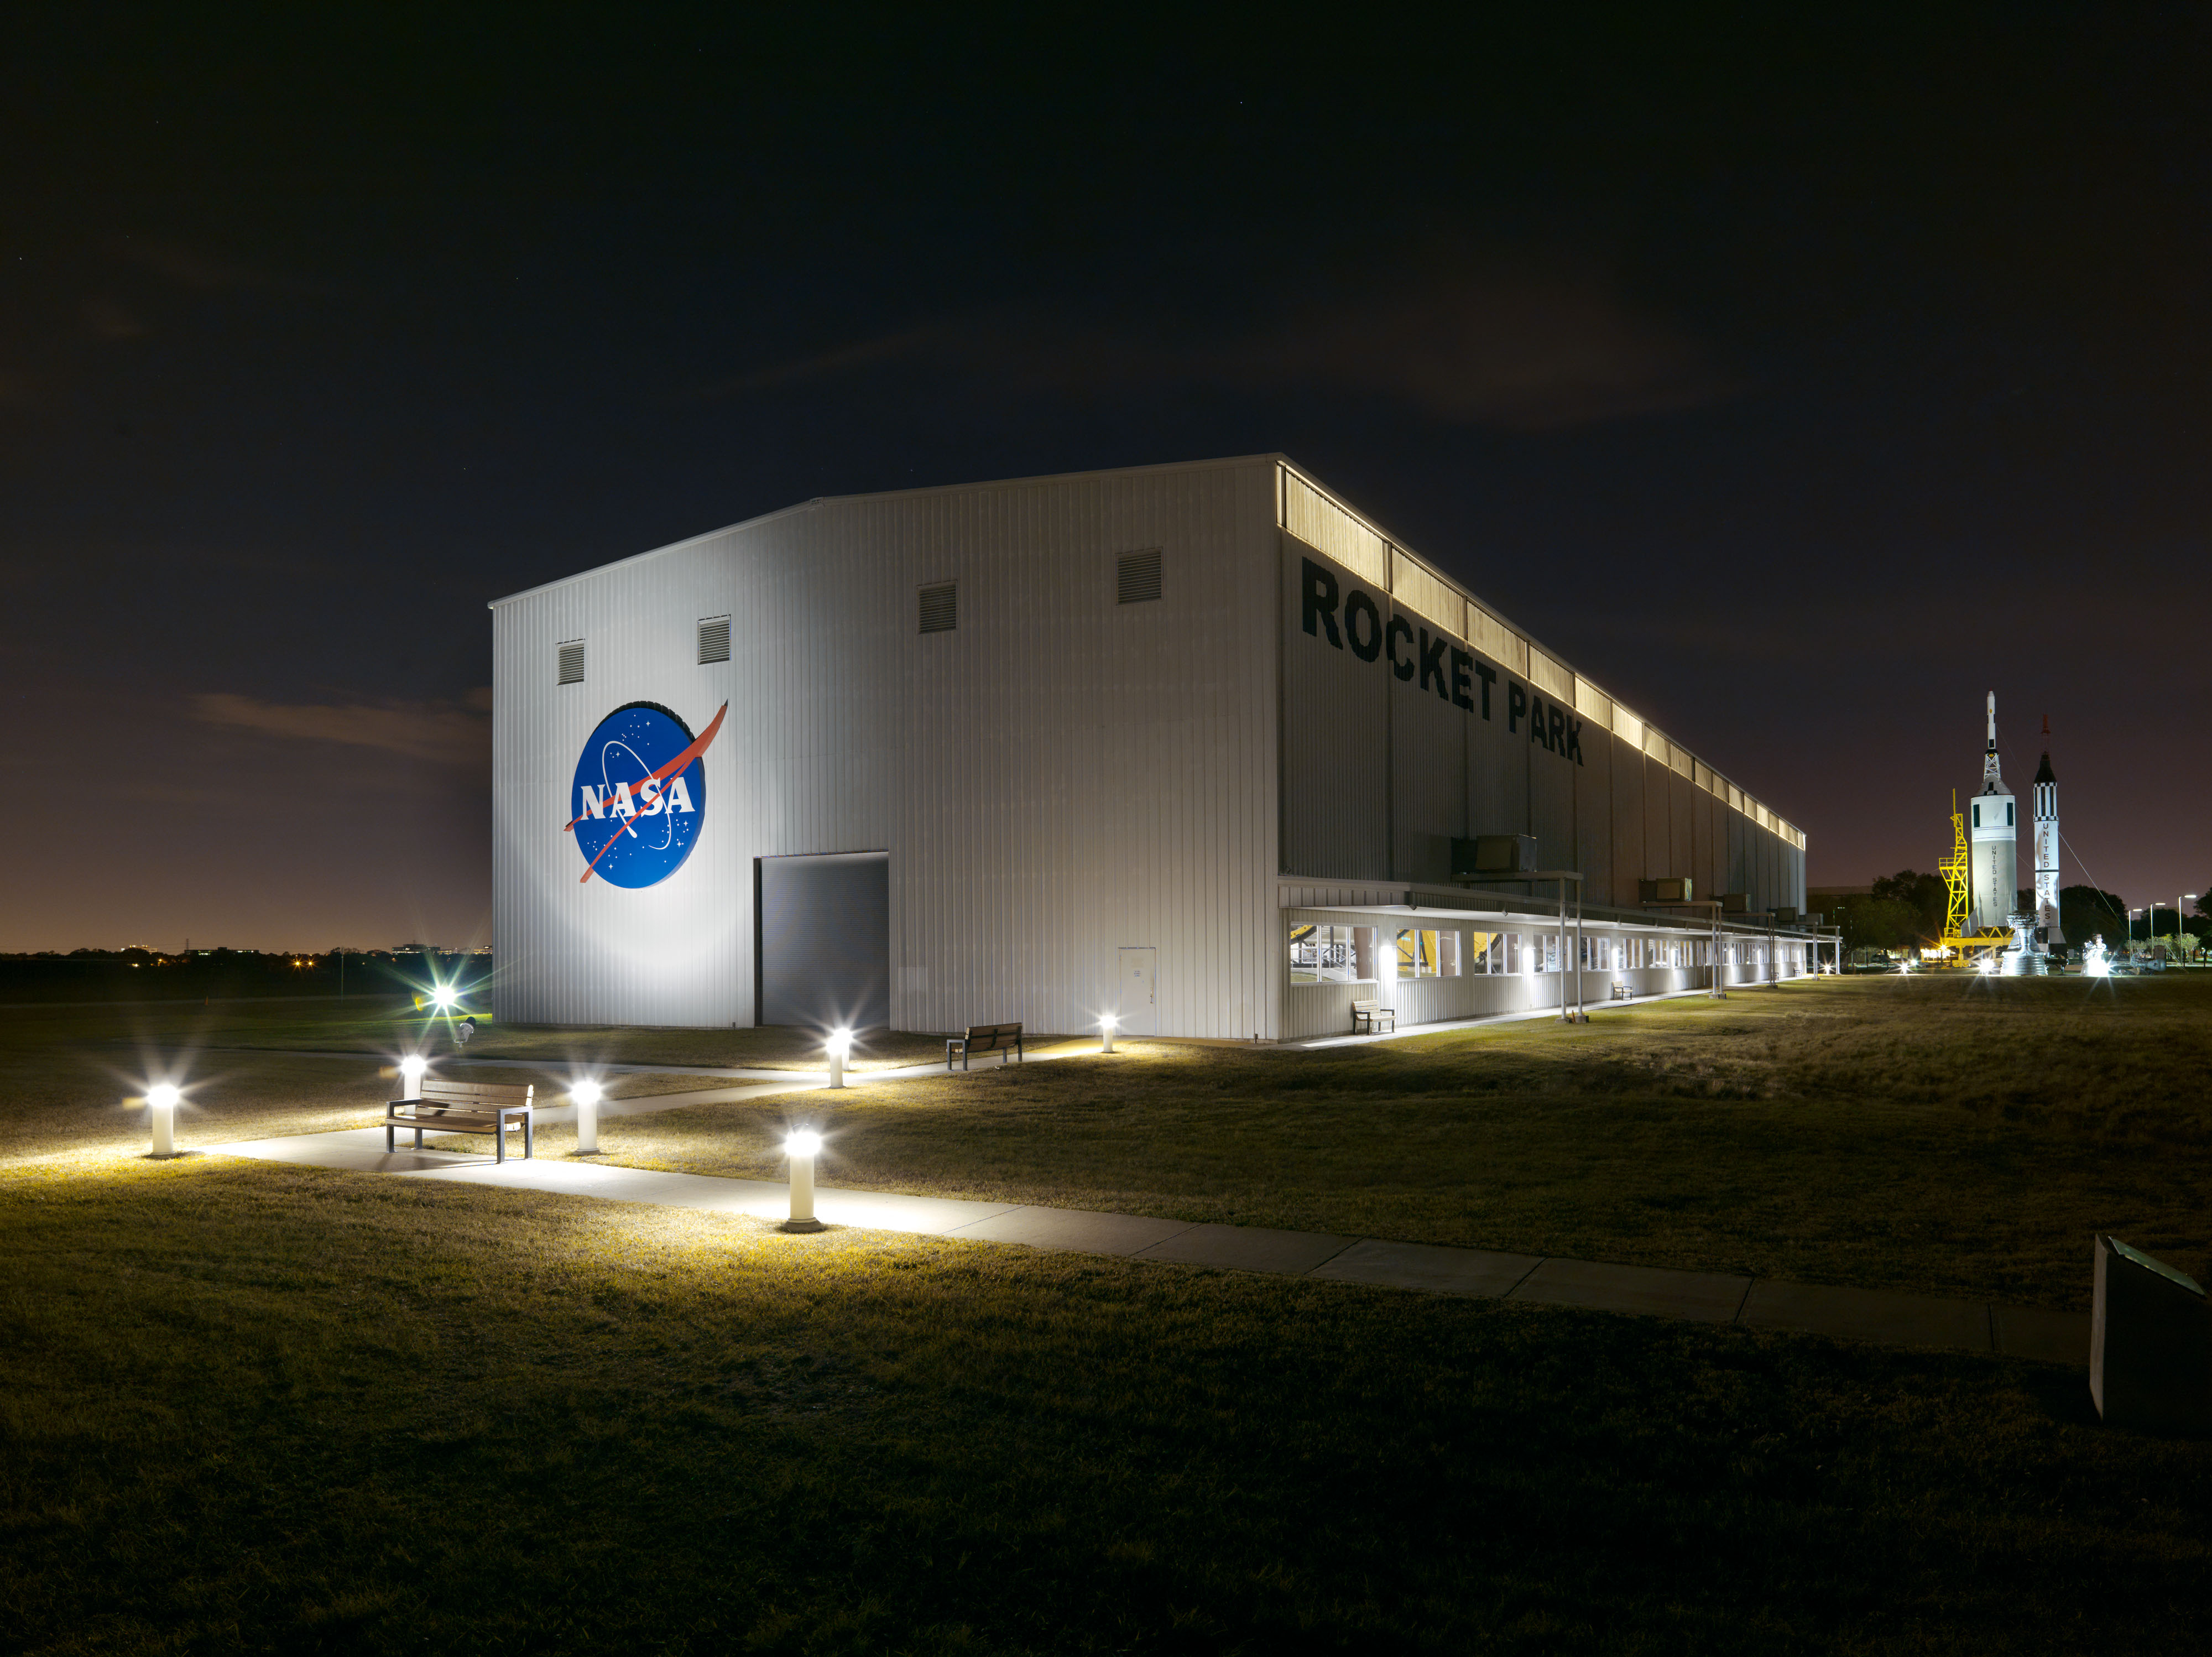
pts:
[1878, 1318]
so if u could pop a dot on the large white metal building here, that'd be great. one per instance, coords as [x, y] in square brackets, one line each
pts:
[1198, 744]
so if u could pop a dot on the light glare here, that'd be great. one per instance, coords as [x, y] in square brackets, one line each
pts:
[805, 1143]
[413, 1065]
[584, 1092]
[162, 1095]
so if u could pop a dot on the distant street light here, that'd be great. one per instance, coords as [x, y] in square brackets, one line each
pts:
[162, 1108]
[802, 1146]
[587, 1096]
[444, 996]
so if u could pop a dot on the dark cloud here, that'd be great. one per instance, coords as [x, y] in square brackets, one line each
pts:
[441, 733]
[1525, 345]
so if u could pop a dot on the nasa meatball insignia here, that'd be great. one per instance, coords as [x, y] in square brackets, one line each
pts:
[639, 794]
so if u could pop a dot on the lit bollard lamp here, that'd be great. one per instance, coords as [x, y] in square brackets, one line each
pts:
[801, 1147]
[411, 1076]
[1108, 1022]
[162, 1111]
[586, 1097]
[840, 1048]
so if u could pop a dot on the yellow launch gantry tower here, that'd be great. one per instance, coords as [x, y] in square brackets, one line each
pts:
[1954, 870]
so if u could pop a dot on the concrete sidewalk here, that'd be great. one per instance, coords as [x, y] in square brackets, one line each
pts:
[1880, 1318]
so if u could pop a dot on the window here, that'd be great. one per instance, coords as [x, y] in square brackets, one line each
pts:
[940, 608]
[1332, 954]
[1486, 952]
[571, 663]
[1423, 954]
[713, 639]
[1137, 577]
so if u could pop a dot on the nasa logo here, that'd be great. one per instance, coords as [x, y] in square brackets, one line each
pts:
[639, 794]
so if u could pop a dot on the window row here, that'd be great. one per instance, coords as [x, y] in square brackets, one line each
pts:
[1325, 954]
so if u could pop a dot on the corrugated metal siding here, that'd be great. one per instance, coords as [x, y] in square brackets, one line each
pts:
[1429, 772]
[1658, 839]
[1336, 748]
[1419, 592]
[1496, 640]
[1319, 522]
[1630, 863]
[1060, 776]
[1497, 768]
[1594, 821]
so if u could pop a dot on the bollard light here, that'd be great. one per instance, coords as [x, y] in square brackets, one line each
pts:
[162, 1108]
[1108, 1023]
[586, 1095]
[801, 1147]
[411, 1076]
[841, 1047]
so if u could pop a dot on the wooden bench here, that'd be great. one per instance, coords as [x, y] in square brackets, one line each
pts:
[466, 1107]
[1372, 1016]
[983, 1038]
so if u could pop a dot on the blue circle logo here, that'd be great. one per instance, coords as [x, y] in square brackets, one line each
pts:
[639, 794]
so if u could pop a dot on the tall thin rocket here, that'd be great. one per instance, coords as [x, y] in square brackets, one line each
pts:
[2046, 847]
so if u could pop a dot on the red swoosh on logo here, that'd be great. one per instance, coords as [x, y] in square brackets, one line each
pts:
[680, 762]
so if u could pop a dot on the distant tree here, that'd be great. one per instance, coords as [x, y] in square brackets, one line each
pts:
[1923, 895]
[2086, 912]
[1877, 922]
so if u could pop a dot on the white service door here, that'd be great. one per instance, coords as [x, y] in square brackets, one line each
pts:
[1140, 999]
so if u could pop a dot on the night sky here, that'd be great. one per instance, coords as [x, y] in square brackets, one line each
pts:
[1800, 382]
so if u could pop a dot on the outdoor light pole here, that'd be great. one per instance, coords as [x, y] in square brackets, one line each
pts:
[411, 1076]
[841, 1042]
[587, 1096]
[161, 1110]
[1106, 1023]
[801, 1147]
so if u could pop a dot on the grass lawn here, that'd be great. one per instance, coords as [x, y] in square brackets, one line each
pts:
[254, 1407]
[1944, 1134]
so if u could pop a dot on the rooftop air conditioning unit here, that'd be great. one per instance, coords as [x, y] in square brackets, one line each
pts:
[1735, 902]
[1784, 915]
[1669, 889]
[1492, 854]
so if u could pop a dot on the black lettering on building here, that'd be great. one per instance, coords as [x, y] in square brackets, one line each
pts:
[1356, 606]
[1461, 664]
[1574, 740]
[1399, 628]
[1319, 599]
[1432, 663]
[1536, 720]
[1558, 744]
[1488, 675]
[1517, 704]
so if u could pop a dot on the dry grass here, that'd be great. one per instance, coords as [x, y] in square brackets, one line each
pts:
[1938, 1135]
[246, 1406]
[250, 1407]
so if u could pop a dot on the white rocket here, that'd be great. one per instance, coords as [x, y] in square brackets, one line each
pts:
[2046, 847]
[1993, 846]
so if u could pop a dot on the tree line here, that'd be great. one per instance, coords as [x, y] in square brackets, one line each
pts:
[1908, 909]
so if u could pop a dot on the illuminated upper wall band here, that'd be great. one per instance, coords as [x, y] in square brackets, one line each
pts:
[1322, 522]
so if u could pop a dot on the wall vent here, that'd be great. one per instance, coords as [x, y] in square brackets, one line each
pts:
[713, 639]
[940, 608]
[572, 662]
[1137, 577]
